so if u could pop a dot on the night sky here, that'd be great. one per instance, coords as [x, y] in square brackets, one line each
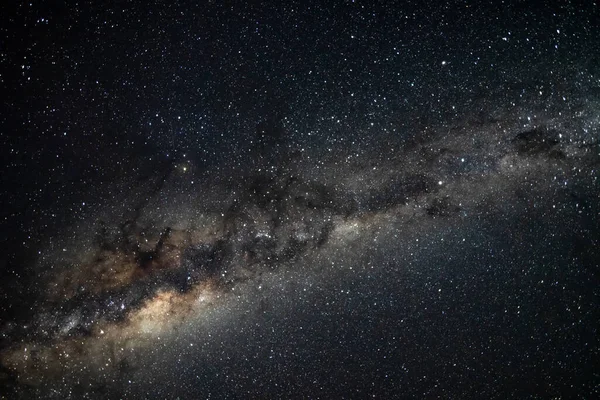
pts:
[341, 199]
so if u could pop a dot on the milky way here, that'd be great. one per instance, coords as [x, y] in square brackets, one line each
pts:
[244, 239]
[133, 285]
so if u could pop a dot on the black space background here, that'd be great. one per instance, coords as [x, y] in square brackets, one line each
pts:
[106, 89]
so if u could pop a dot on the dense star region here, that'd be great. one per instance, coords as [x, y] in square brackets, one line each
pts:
[363, 199]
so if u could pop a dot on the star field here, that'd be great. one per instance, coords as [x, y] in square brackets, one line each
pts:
[302, 200]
